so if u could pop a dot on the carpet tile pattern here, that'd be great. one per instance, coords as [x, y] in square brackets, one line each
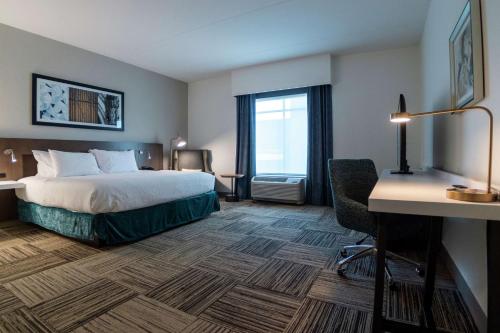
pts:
[257, 246]
[140, 314]
[42, 286]
[232, 264]
[329, 317]
[8, 301]
[192, 291]
[253, 310]
[285, 277]
[252, 267]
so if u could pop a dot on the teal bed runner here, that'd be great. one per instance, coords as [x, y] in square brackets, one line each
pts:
[121, 227]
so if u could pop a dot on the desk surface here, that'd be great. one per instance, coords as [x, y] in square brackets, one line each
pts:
[424, 193]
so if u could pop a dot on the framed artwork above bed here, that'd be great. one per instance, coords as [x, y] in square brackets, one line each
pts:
[58, 102]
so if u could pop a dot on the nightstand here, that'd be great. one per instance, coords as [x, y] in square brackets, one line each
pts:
[8, 200]
[10, 184]
[233, 197]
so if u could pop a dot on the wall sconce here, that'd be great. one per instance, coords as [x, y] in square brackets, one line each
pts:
[10, 152]
[141, 152]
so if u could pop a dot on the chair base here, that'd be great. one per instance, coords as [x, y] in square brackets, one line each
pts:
[371, 250]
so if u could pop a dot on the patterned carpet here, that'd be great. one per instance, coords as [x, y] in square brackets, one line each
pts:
[249, 268]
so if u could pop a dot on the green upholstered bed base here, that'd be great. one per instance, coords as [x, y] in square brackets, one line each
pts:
[121, 227]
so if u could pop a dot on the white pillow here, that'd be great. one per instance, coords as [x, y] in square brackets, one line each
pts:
[115, 161]
[44, 163]
[73, 164]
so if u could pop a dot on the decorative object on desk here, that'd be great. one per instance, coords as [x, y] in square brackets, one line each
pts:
[58, 102]
[233, 196]
[10, 152]
[466, 57]
[404, 168]
[467, 194]
[177, 142]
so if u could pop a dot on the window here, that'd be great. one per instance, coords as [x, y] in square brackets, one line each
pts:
[281, 134]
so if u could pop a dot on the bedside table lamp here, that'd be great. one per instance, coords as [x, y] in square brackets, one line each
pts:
[177, 142]
[473, 195]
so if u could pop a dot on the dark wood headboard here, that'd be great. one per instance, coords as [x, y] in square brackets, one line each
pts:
[26, 164]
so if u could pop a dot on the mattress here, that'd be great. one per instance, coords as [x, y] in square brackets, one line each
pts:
[107, 193]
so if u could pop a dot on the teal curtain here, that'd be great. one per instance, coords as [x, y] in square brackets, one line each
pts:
[320, 144]
[245, 145]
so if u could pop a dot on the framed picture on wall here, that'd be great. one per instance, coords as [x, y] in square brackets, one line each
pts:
[58, 102]
[466, 57]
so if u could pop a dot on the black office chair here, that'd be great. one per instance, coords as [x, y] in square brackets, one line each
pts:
[352, 182]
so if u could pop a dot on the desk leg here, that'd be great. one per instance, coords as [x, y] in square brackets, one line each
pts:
[493, 264]
[378, 303]
[436, 229]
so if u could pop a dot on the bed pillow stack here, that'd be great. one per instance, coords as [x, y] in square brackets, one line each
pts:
[44, 166]
[67, 164]
[56, 163]
[115, 161]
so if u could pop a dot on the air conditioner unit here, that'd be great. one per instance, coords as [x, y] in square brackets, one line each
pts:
[289, 189]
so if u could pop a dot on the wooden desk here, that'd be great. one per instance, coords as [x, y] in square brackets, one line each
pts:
[423, 193]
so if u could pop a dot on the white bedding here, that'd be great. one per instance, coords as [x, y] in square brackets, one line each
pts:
[106, 193]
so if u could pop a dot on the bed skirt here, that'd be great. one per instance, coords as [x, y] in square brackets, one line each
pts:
[121, 227]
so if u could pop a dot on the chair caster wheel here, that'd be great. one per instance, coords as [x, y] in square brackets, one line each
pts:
[341, 271]
[343, 253]
[420, 271]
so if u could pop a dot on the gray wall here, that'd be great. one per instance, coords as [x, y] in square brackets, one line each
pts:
[366, 88]
[459, 143]
[155, 105]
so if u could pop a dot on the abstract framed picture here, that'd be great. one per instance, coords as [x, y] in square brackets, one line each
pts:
[58, 102]
[466, 57]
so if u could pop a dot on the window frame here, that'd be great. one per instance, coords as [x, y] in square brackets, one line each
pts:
[280, 93]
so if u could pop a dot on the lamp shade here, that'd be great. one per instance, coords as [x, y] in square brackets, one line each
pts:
[179, 142]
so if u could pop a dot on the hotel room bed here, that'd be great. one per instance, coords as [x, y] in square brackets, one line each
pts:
[115, 208]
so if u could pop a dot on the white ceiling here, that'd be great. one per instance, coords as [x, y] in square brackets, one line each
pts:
[193, 39]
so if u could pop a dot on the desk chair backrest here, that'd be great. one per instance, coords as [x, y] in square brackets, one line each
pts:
[352, 182]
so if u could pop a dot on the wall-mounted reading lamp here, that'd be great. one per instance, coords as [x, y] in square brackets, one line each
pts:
[12, 155]
[474, 195]
[141, 152]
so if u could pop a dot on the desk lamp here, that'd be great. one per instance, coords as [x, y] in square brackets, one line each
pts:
[466, 194]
